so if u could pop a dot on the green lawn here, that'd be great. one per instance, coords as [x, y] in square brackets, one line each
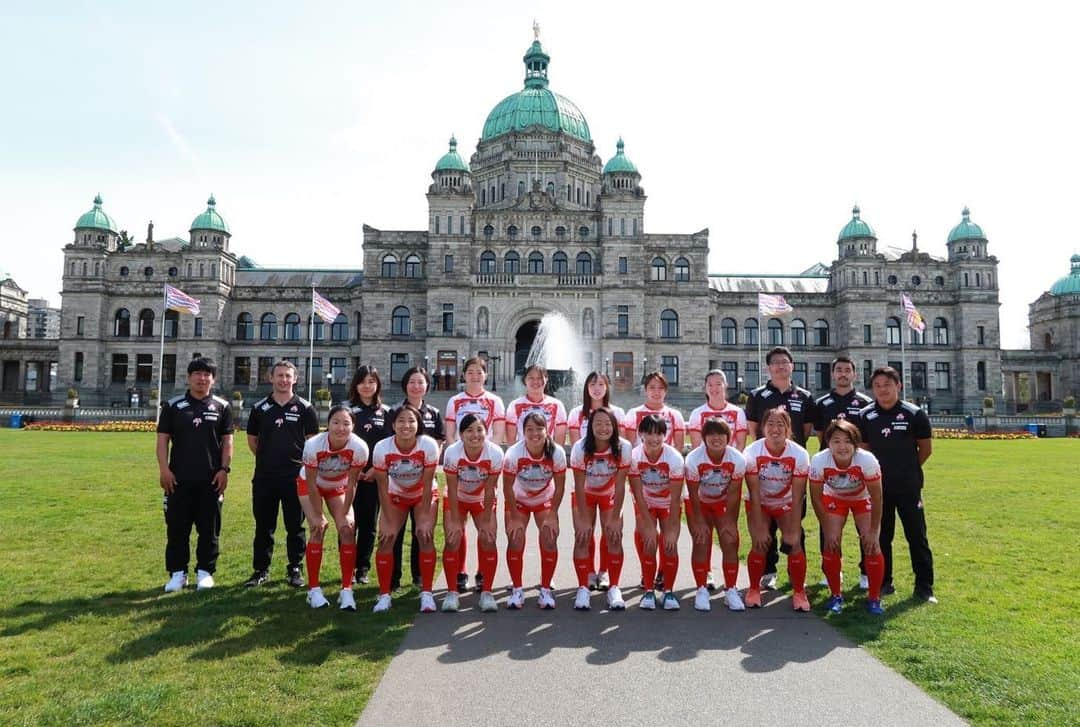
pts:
[88, 637]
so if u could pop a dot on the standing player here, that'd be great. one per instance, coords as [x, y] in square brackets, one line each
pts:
[535, 379]
[776, 470]
[370, 423]
[476, 399]
[899, 435]
[194, 453]
[534, 477]
[600, 461]
[656, 389]
[276, 430]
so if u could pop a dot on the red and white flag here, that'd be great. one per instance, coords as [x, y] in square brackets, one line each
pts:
[323, 308]
[914, 318]
[772, 305]
[178, 300]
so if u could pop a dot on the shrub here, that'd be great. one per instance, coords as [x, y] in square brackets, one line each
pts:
[322, 394]
[988, 402]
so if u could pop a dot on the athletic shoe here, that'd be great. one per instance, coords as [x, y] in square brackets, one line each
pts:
[450, 603]
[479, 581]
[874, 608]
[753, 597]
[462, 582]
[658, 582]
[516, 600]
[887, 589]
[734, 600]
[316, 599]
[648, 601]
[346, 600]
[615, 600]
[710, 582]
[835, 604]
[546, 600]
[487, 602]
[701, 599]
[581, 600]
[176, 582]
[383, 603]
[593, 583]
[603, 582]
[799, 601]
[670, 602]
[294, 576]
[924, 594]
[427, 602]
[768, 582]
[362, 577]
[257, 579]
[203, 580]
[864, 583]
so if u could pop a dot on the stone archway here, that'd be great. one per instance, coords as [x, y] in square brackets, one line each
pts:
[523, 341]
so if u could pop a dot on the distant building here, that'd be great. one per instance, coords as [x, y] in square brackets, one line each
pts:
[44, 320]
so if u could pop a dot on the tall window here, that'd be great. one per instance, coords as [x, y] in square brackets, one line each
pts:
[798, 332]
[511, 263]
[315, 370]
[267, 328]
[119, 368]
[583, 264]
[512, 232]
[917, 337]
[753, 374]
[242, 371]
[658, 269]
[401, 321]
[867, 334]
[682, 270]
[80, 326]
[315, 328]
[941, 369]
[918, 376]
[892, 331]
[487, 262]
[980, 375]
[731, 372]
[981, 335]
[448, 263]
[536, 263]
[867, 371]
[198, 327]
[245, 327]
[412, 267]
[265, 362]
[750, 333]
[824, 376]
[448, 319]
[622, 324]
[941, 332]
[559, 263]
[339, 329]
[168, 368]
[389, 266]
[729, 332]
[798, 374]
[624, 266]
[821, 332]
[669, 324]
[78, 365]
[337, 364]
[669, 366]
[172, 323]
[292, 327]
[776, 332]
[146, 323]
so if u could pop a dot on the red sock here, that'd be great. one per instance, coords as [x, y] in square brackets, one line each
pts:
[384, 568]
[671, 567]
[605, 562]
[347, 558]
[614, 561]
[708, 558]
[701, 571]
[548, 560]
[831, 564]
[796, 568]
[648, 563]
[582, 566]
[450, 568]
[731, 573]
[514, 565]
[755, 564]
[313, 556]
[427, 569]
[489, 562]
[463, 550]
[639, 546]
[875, 573]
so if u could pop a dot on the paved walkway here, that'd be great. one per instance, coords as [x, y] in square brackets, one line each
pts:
[768, 666]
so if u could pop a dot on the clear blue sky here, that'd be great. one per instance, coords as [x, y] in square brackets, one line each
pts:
[762, 122]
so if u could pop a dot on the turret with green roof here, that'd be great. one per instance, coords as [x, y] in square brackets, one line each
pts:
[857, 228]
[966, 230]
[620, 163]
[1070, 284]
[210, 219]
[451, 161]
[96, 219]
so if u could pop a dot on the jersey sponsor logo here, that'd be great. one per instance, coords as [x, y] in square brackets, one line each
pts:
[900, 417]
[266, 406]
[655, 477]
[481, 406]
[600, 472]
[472, 475]
[766, 394]
[871, 416]
[795, 405]
[715, 478]
[775, 474]
[333, 466]
[406, 469]
[182, 405]
[534, 476]
[278, 422]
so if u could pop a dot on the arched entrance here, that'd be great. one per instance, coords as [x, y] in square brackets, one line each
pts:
[523, 341]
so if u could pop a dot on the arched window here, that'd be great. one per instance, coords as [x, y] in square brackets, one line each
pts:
[173, 272]
[1048, 341]
[776, 332]
[512, 262]
[583, 264]
[892, 331]
[488, 230]
[559, 263]
[941, 332]
[682, 270]
[172, 323]
[339, 329]
[512, 231]
[124, 271]
[412, 267]
[401, 321]
[315, 328]
[245, 327]
[798, 332]
[750, 331]
[521, 188]
[583, 231]
[669, 324]
[536, 263]
[482, 321]
[122, 324]
[821, 332]
[147, 272]
[292, 327]
[729, 332]
[560, 231]
[658, 268]
[146, 323]
[487, 262]
[536, 231]
[84, 268]
[588, 323]
[551, 189]
[917, 337]
[268, 327]
[389, 266]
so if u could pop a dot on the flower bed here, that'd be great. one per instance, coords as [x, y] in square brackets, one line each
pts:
[117, 426]
[965, 434]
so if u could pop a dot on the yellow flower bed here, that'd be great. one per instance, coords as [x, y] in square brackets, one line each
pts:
[964, 434]
[118, 426]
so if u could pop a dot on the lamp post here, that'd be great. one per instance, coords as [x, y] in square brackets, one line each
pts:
[739, 380]
[461, 375]
[607, 371]
[644, 367]
[495, 371]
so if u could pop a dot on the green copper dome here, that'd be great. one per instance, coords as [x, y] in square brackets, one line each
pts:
[210, 219]
[451, 161]
[536, 105]
[856, 228]
[1070, 284]
[96, 218]
[966, 230]
[620, 163]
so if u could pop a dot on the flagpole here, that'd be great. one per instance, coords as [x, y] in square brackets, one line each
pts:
[161, 353]
[311, 342]
[760, 357]
[903, 350]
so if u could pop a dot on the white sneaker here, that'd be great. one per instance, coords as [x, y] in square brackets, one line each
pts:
[593, 581]
[546, 600]
[768, 582]
[648, 601]
[450, 603]
[203, 580]
[346, 600]
[734, 600]
[487, 602]
[603, 582]
[581, 601]
[427, 602]
[615, 600]
[517, 598]
[316, 599]
[382, 604]
[671, 603]
[864, 583]
[701, 599]
[176, 582]
[710, 582]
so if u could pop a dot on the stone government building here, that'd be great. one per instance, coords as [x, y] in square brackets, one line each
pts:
[534, 222]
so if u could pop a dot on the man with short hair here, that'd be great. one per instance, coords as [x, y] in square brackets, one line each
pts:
[899, 434]
[276, 431]
[194, 455]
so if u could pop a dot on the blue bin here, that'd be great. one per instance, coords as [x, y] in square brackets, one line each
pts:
[1032, 429]
[16, 421]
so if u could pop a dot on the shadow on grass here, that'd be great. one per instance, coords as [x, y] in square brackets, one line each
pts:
[855, 623]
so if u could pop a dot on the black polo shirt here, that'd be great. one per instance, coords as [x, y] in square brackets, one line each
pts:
[797, 400]
[434, 424]
[833, 406]
[281, 430]
[372, 424]
[891, 434]
[196, 428]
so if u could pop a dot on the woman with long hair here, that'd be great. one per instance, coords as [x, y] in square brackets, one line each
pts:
[370, 417]
[536, 399]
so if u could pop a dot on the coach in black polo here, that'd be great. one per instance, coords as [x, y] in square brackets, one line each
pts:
[780, 391]
[899, 435]
[194, 453]
[276, 430]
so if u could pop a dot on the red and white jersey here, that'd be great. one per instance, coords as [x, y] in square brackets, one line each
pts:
[600, 469]
[487, 406]
[775, 473]
[405, 470]
[472, 474]
[333, 465]
[673, 417]
[657, 476]
[533, 478]
[715, 478]
[845, 484]
[552, 409]
[574, 420]
[733, 415]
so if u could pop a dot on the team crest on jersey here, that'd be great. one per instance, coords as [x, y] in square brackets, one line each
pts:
[279, 421]
[534, 477]
[656, 476]
[294, 407]
[406, 471]
[716, 477]
[900, 417]
[841, 415]
[599, 472]
[196, 422]
[471, 476]
[211, 407]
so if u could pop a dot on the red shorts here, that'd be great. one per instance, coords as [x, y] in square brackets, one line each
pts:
[660, 513]
[774, 513]
[712, 509]
[839, 506]
[405, 504]
[302, 489]
[544, 506]
[605, 502]
[473, 508]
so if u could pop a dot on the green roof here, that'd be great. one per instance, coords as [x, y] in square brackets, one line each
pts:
[451, 161]
[210, 219]
[620, 163]
[966, 230]
[1070, 284]
[96, 218]
[856, 228]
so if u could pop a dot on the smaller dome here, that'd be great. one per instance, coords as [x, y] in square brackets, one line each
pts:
[856, 228]
[210, 219]
[620, 163]
[1070, 284]
[96, 219]
[451, 161]
[966, 230]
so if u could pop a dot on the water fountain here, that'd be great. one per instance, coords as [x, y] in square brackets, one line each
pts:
[558, 348]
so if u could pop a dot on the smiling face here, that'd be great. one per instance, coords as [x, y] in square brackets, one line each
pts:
[843, 376]
[602, 428]
[655, 393]
[780, 367]
[777, 430]
[367, 388]
[200, 383]
[406, 425]
[716, 389]
[473, 435]
[475, 376]
[534, 385]
[283, 379]
[416, 387]
[535, 435]
[842, 448]
[716, 442]
[597, 390]
[653, 441]
[340, 427]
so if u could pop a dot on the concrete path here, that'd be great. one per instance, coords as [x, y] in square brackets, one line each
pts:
[762, 667]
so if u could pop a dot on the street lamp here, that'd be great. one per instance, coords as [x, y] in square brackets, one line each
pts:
[607, 371]
[739, 380]
[495, 370]
[329, 380]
